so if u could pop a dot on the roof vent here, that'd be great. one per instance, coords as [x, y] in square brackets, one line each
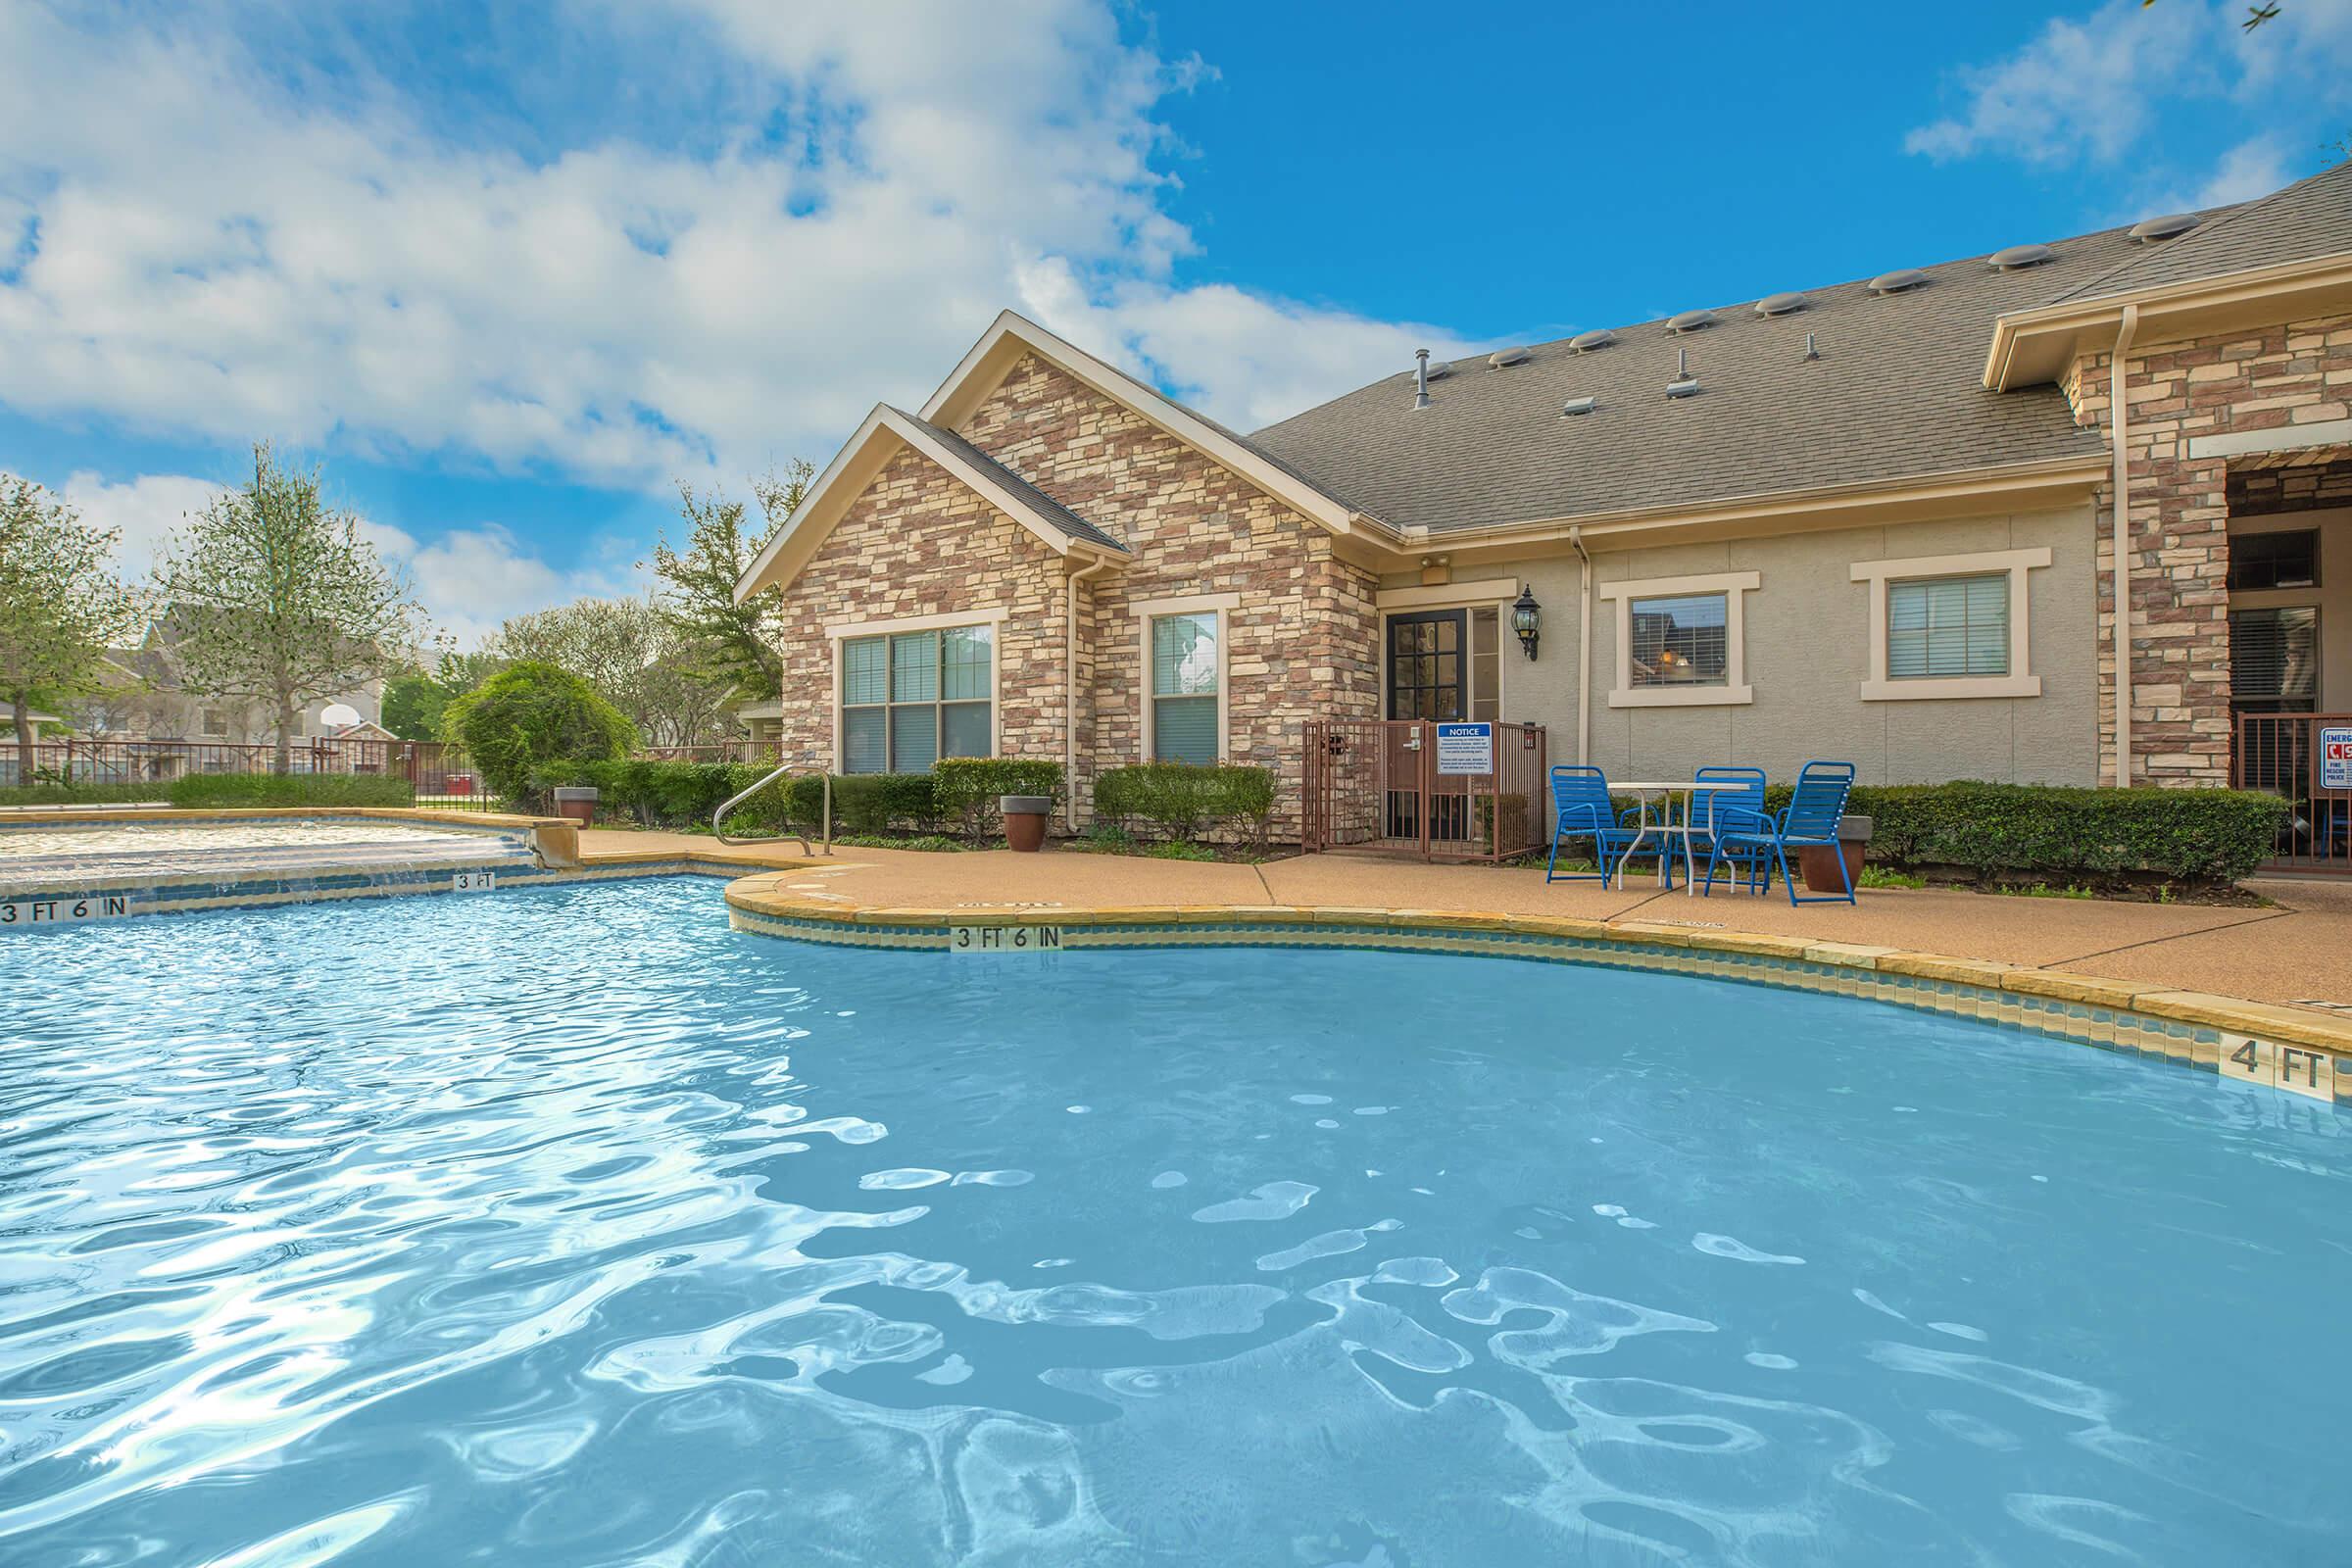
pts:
[1584, 405]
[1504, 358]
[1420, 378]
[1684, 384]
[1689, 320]
[2150, 230]
[1780, 304]
[2017, 257]
[1897, 282]
[1439, 369]
[1601, 337]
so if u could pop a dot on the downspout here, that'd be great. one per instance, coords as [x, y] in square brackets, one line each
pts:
[1584, 648]
[2118, 419]
[1070, 718]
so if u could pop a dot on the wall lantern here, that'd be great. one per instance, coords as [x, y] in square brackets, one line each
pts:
[1527, 620]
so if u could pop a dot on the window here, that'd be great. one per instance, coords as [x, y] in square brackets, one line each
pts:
[1946, 626]
[1186, 667]
[908, 699]
[2275, 660]
[1949, 627]
[2286, 558]
[1486, 664]
[1681, 641]
[212, 722]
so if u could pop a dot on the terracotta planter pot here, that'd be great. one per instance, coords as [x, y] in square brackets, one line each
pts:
[1025, 820]
[575, 804]
[1818, 866]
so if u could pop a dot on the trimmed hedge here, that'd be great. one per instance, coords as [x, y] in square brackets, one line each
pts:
[85, 794]
[964, 790]
[1181, 799]
[530, 714]
[291, 789]
[2088, 836]
[684, 795]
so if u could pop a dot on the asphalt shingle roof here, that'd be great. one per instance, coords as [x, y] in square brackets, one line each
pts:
[1043, 505]
[2308, 218]
[1896, 391]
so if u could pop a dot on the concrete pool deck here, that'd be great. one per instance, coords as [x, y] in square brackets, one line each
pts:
[2295, 954]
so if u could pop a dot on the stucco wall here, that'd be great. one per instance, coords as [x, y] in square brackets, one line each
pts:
[1807, 652]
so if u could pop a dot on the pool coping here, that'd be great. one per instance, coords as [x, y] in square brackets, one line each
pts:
[2292, 1048]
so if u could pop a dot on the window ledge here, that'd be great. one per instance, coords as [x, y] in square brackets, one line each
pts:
[1683, 697]
[1941, 687]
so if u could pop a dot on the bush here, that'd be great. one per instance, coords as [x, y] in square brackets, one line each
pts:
[2099, 837]
[87, 792]
[291, 789]
[965, 790]
[685, 794]
[1182, 799]
[534, 713]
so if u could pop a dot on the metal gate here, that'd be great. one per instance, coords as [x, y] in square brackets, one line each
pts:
[2286, 753]
[1378, 784]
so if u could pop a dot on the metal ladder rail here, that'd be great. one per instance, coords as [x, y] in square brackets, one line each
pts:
[719, 818]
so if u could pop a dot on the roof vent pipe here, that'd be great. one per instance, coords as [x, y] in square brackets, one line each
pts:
[1420, 378]
[1811, 353]
[1684, 384]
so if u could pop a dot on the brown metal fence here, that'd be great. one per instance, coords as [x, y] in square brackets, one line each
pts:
[2287, 754]
[1401, 786]
[441, 774]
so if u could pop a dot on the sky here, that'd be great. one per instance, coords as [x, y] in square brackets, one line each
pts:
[510, 272]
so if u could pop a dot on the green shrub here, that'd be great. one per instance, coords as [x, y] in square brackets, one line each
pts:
[534, 713]
[87, 792]
[1180, 799]
[965, 790]
[291, 789]
[2088, 837]
[881, 803]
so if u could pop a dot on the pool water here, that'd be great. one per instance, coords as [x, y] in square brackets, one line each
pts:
[567, 1227]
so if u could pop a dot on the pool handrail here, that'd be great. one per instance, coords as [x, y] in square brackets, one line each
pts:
[719, 818]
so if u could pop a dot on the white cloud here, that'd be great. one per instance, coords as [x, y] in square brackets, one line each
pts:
[468, 579]
[217, 255]
[2096, 91]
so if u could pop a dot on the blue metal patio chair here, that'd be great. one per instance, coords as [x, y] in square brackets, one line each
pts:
[1809, 820]
[1582, 808]
[1718, 812]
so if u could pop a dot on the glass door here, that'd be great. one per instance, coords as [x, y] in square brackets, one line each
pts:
[1428, 661]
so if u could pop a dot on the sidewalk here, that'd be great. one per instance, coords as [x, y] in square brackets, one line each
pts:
[2299, 952]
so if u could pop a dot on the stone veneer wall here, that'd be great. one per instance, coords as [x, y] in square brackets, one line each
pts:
[919, 543]
[1301, 645]
[2296, 374]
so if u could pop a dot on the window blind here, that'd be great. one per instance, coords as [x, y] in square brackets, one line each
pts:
[1948, 626]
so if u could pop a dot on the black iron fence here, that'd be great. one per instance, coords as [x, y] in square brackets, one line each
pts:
[440, 773]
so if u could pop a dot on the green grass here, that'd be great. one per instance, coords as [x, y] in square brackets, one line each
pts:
[925, 843]
[1178, 850]
[155, 792]
[2042, 890]
[1880, 876]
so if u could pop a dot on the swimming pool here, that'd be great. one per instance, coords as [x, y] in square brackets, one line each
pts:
[569, 1227]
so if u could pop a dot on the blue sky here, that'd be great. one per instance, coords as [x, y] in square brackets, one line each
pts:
[511, 271]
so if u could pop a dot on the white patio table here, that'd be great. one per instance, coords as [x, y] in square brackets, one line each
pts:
[1667, 828]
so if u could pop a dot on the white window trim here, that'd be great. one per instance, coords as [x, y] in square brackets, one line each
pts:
[1145, 611]
[1734, 586]
[2020, 681]
[841, 633]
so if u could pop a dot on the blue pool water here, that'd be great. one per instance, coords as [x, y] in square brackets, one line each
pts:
[566, 1227]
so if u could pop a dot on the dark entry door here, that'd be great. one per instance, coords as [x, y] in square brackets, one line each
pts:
[1428, 658]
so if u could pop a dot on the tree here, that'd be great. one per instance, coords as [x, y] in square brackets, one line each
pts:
[416, 698]
[630, 652]
[60, 606]
[274, 598]
[729, 642]
[534, 713]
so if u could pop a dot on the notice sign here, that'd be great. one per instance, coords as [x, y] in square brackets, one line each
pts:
[65, 911]
[1465, 748]
[1004, 939]
[2335, 759]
